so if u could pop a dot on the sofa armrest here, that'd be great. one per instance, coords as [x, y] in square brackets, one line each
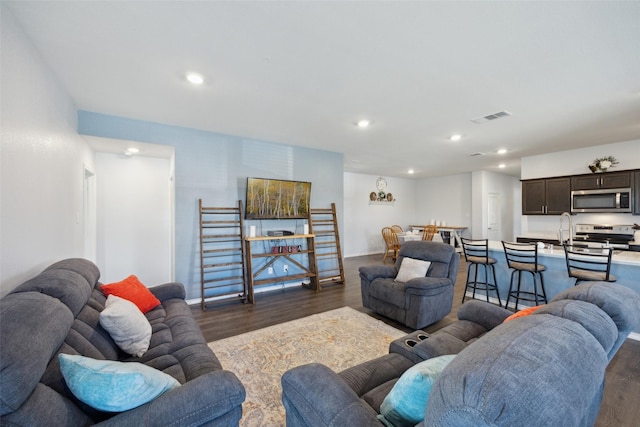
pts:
[313, 395]
[202, 400]
[168, 291]
[373, 272]
[483, 313]
[439, 345]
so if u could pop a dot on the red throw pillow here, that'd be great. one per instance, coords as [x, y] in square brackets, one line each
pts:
[133, 290]
[522, 313]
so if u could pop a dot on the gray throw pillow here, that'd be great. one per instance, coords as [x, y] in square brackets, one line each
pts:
[126, 324]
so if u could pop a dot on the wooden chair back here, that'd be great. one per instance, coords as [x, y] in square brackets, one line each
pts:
[428, 232]
[391, 242]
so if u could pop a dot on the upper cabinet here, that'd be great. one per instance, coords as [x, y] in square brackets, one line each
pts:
[548, 196]
[602, 180]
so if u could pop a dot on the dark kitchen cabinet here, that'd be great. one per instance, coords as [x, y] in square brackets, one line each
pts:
[601, 180]
[636, 192]
[549, 196]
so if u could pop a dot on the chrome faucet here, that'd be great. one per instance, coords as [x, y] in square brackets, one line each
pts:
[561, 231]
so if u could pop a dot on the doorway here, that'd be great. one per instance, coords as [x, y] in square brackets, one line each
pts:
[493, 217]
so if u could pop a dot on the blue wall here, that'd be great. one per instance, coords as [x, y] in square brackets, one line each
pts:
[214, 167]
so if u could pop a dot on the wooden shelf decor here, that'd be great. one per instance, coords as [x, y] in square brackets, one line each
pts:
[222, 266]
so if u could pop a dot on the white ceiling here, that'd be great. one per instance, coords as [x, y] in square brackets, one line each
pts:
[302, 73]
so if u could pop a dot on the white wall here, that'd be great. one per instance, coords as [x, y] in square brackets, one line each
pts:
[363, 221]
[575, 162]
[134, 218]
[42, 163]
[444, 198]
[508, 187]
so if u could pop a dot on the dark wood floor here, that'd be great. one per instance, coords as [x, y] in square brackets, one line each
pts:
[621, 403]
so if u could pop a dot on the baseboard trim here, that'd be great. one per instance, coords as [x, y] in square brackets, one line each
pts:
[632, 336]
[261, 289]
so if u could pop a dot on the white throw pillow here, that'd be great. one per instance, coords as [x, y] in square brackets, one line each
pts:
[411, 268]
[126, 324]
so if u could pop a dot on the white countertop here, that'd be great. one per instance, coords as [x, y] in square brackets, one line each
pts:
[623, 257]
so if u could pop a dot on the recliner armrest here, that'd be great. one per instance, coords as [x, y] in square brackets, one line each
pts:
[168, 291]
[373, 272]
[314, 395]
[483, 313]
[427, 285]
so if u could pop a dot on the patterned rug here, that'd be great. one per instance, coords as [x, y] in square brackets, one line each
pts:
[338, 338]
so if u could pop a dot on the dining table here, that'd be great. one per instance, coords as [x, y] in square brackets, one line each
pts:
[454, 234]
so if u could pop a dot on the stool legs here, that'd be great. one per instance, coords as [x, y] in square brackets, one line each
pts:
[483, 286]
[526, 295]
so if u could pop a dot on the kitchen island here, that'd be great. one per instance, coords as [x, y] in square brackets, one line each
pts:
[625, 265]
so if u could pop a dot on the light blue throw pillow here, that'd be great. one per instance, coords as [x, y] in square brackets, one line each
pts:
[112, 386]
[406, 403]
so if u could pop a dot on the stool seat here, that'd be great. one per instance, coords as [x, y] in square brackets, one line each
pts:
[523, 258]
[481, 260]
[527, 267]
[592, 276]
[476, 253]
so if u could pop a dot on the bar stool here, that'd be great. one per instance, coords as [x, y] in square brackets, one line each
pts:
[523, 257]
[476, 253]
[589, 265]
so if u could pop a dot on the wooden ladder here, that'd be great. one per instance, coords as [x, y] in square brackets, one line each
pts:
[222, 268]
[323, 223]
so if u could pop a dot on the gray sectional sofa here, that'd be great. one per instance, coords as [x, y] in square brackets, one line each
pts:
[58, 312]
[545, 369]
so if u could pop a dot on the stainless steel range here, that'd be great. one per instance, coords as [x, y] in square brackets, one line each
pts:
[599, 236]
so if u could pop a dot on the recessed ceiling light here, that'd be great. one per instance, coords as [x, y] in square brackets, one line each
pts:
[410, 171]
[364, 123]
[502, 151]
[455, 137]
[195, 78]
[502, 166]
[133, 150]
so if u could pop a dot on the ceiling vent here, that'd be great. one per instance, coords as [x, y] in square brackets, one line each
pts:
[476, 154]
[491, 117]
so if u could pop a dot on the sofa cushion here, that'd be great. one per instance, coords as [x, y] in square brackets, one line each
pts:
[389, 291]
[113, 386]
[133, 290]
[406, 403]
[411, 268]
[127, 325]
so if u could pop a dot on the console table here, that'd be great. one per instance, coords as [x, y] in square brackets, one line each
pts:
[308, 271]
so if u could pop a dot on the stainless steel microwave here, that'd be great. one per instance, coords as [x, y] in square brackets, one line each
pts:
[602, 200]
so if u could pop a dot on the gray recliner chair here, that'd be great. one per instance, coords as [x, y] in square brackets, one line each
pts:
[417, 302]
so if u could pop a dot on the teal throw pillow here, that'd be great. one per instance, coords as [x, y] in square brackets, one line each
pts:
[406, 403]
[113, 386]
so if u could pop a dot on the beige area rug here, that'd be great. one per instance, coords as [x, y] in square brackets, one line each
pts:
[338, 338]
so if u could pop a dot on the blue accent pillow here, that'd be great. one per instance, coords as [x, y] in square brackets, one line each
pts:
[112, 386]
[406, 403]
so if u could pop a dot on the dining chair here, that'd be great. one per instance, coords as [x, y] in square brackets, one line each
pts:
[523, 258]
[589, 264]
[476, 253]
[391, 243]
[428, 232]
[397, 229]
